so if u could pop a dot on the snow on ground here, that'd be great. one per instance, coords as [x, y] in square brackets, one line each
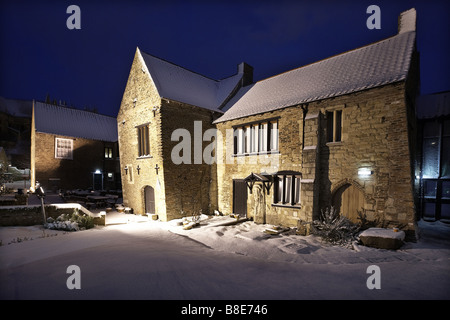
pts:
[247, 238]
[216, 260]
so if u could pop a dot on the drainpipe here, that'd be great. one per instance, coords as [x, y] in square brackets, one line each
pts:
[305, 111]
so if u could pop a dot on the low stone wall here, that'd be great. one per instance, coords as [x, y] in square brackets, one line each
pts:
[32, 214]
[14, 200]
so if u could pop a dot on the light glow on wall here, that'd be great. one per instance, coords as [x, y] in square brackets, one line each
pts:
[364, 172]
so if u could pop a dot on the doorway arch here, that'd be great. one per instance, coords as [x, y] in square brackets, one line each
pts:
[347, 200]
[149, 197]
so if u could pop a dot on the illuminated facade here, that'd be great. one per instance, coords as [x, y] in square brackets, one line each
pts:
[340, 132]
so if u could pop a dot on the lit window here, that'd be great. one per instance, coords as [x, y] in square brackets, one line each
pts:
[63, 148]
[108, 153]
[110, 176]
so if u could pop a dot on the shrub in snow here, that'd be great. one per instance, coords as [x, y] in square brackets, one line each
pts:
[70, 223]
[334, 228]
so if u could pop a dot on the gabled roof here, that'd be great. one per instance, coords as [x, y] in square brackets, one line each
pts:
[176, 83]
[378, 64]
[75, 123]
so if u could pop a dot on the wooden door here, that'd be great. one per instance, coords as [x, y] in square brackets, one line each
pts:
[349, 200]
[240, 197]
[149, 193]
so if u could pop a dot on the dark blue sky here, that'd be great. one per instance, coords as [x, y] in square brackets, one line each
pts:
[89, 67]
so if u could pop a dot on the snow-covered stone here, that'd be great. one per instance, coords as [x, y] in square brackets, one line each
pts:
[382, 238]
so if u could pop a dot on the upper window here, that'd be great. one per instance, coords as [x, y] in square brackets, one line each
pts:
[254, 138]
[108, 153]
[143, 141]
[63, 148]
[334, 126]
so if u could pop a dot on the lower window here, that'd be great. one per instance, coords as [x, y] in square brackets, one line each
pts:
[287, 190]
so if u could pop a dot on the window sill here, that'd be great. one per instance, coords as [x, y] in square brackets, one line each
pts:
[297, 206]
[144, 157]
[334, 144]
[256, 153]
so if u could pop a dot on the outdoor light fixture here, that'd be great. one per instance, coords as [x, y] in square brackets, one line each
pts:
[364, 172]
[98, 171]
[138, 169]
[126, 169]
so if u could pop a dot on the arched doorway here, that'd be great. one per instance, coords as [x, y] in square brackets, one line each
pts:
[348, 200]
[149, 196]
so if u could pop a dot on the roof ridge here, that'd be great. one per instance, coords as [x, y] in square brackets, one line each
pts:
[335, 56]
[178, 66]
[74, 108]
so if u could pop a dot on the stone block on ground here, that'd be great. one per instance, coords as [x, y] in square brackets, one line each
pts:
[382, 238]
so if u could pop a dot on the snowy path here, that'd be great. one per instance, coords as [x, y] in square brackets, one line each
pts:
[158, 261]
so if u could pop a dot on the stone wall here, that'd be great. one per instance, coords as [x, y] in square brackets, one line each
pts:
[375, 135]
[76, 173]
[179, 188]
[32, 215]
[140, 105]
[189, 184]
[230, 167]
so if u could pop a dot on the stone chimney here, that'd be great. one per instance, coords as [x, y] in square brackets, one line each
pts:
[247, 71]
[407, 21]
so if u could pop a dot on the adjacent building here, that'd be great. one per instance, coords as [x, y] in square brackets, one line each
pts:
[433, 157]
[73, 149]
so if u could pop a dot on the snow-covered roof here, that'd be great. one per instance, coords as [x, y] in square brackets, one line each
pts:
[76, 123]
[433, 105]
[176, 83]
[377, 64]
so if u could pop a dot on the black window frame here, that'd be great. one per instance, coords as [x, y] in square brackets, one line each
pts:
[284, 197]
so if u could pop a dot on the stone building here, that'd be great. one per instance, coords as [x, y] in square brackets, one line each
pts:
[339, 132]
[165, 107]
[73, 149]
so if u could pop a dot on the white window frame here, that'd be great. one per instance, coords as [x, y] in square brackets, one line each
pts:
[61, 144]
[260, 137]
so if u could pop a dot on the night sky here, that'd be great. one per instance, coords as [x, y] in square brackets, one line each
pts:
[88, 68]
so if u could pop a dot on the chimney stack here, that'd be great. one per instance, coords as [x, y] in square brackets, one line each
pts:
[247, 71]
[407, 21]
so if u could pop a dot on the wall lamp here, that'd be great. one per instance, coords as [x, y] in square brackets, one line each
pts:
[126, 169]
[364, 172]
